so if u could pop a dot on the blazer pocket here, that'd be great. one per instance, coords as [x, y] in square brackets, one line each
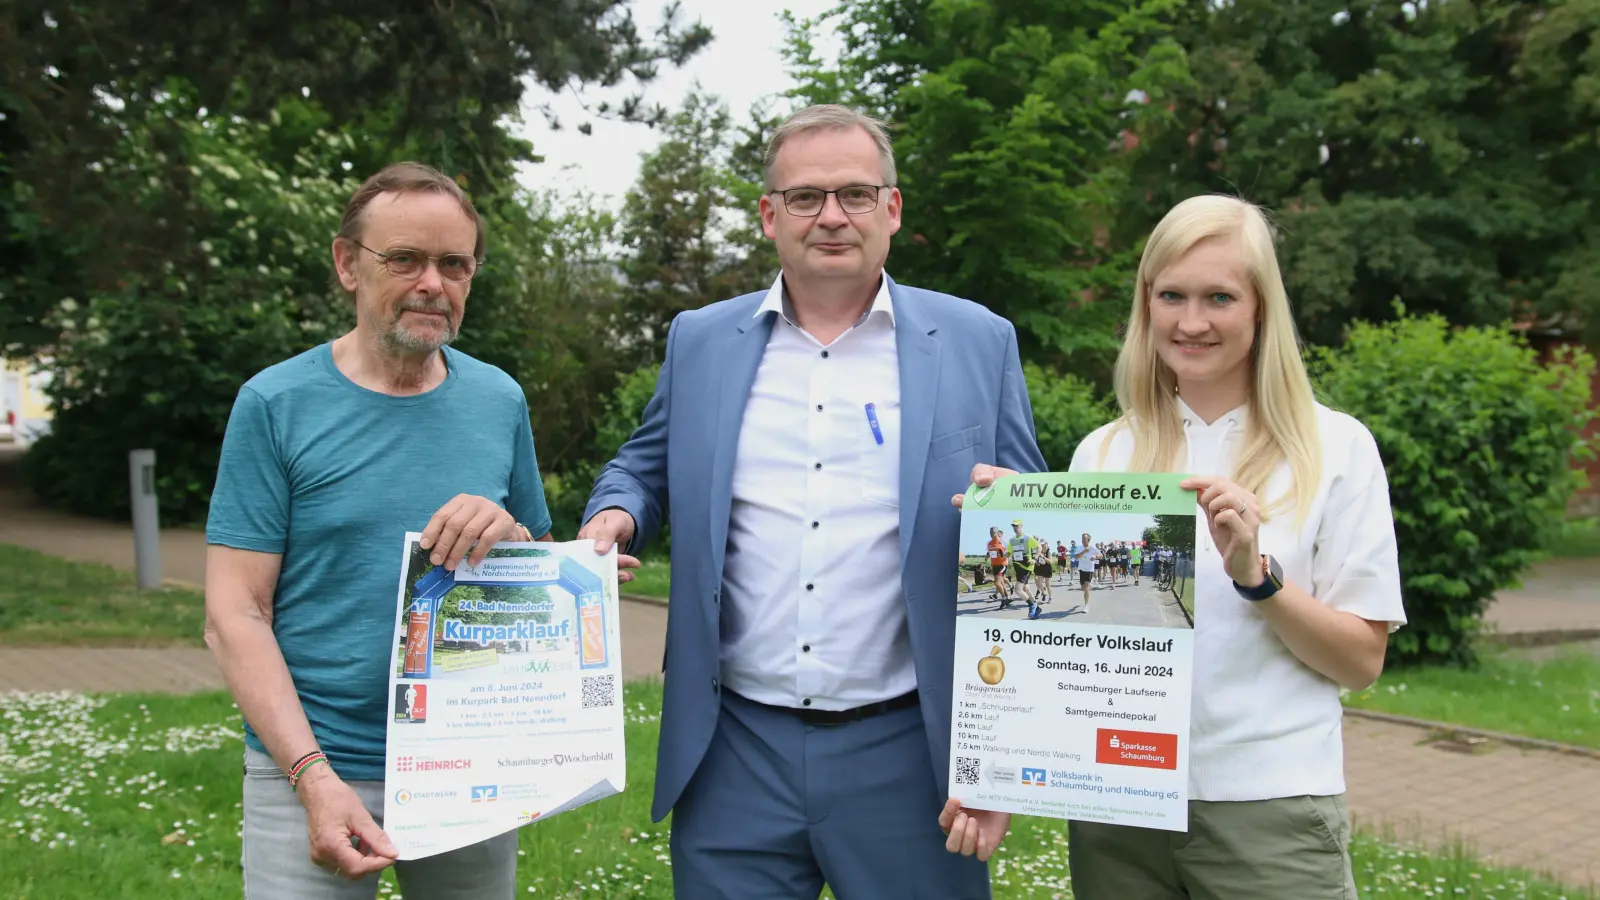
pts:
[954, 442]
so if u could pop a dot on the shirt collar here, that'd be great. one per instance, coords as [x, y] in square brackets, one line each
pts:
[1232, 418]
[777, 300]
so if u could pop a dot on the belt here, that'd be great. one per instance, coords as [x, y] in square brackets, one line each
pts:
[839, 716]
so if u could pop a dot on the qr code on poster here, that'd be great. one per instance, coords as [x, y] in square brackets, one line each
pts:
[598, 691]
[966, 770]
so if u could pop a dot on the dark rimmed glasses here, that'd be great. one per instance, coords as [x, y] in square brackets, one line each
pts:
[855, 199]
[408, 264]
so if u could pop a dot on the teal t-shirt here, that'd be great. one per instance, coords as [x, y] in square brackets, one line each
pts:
[331, 476]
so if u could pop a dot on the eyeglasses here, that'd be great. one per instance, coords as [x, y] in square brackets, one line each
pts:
[856, 199]
[404, 263]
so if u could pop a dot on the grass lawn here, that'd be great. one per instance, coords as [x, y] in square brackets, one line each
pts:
[1186, 595]
[1557, 699]
[1578, 538]
[137, 797]
[47, 600]
[653, 578]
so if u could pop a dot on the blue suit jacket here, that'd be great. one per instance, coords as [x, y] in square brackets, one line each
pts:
[963, 401]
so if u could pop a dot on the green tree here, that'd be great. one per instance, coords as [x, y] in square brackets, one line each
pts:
[435, 81]
[155, 359]
[686, 227]
[1441, 152]
[1009, 119]
[1175, 532]
[536, 307]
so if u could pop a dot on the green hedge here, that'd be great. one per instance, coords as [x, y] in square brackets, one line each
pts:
[1479, 440]
[1065, 410]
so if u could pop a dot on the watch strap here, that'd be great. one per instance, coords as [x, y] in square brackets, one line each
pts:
[1271, 582]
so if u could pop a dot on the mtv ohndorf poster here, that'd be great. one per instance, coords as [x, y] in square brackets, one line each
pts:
[1074, 648]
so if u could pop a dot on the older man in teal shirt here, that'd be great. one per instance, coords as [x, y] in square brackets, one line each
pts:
[329, 459]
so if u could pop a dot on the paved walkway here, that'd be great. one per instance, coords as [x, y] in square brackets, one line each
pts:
[185, 669]
[1556, 595]
[1514, 806]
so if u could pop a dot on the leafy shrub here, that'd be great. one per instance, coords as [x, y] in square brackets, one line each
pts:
[624, 410]
[1479, 441]
[1065, 410]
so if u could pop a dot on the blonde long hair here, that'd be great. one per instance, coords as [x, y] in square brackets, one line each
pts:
[1283, 418]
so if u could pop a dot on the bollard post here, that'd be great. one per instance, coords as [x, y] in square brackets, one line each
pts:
[146, 521]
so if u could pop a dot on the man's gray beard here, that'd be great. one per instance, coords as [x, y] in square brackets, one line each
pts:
[401, 342]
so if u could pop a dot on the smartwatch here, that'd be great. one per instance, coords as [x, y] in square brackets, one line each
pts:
[1271, 583]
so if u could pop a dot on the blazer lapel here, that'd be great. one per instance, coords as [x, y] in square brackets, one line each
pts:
[741, 357]
[919, 395]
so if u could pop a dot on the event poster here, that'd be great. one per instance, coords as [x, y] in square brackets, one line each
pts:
[505, 700]
[1074, 648]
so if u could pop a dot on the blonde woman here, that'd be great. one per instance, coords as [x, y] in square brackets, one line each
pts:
[1298, 576]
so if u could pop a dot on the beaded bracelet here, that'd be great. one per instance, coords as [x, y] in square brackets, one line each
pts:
[305, 762]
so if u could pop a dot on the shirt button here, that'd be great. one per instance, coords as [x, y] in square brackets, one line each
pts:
[810, 586]
[806, 649]
[819, 407]
[806, 702]
[824, 356]
[816, 524]
[817, 467]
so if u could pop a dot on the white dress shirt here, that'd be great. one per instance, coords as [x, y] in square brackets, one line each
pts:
[813, 612]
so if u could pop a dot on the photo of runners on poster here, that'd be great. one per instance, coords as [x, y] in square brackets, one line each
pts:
[1074, 648]
[506, 693]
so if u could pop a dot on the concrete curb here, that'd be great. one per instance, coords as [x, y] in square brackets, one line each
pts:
[1547, 637]
[640, 598]
[1450, 730]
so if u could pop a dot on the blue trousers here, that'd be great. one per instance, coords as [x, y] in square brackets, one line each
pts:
[778, 808]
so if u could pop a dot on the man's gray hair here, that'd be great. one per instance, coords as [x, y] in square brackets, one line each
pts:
[832, 117]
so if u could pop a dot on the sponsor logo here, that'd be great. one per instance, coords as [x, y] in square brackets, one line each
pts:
[1136, 748]
[431, 764]
[406, 795]
[558, 759]
[411, 703]
[983, 496]
[485, 793]
[1033, 777]
[996, 775]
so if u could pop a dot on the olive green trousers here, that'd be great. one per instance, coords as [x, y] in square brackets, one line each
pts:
[1291, 848]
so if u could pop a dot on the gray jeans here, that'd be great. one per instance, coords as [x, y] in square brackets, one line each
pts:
[277, 851]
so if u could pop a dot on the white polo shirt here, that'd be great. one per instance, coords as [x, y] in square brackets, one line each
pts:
[813, 611]
[1263, 724]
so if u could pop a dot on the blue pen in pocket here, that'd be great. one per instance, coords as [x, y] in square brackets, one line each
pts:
[872, 419]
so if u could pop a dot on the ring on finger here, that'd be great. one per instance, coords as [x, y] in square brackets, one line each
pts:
[1243, 508]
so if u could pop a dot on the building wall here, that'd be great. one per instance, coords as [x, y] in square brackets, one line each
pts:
[22, 384]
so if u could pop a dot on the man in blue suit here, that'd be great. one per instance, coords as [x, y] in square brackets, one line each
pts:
[805, 444]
